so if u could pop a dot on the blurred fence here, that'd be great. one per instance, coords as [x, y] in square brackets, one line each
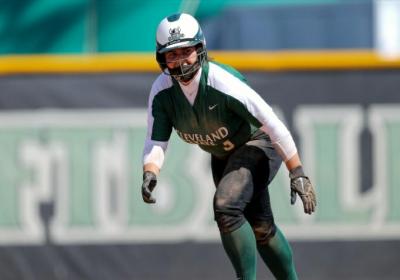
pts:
[70, 179]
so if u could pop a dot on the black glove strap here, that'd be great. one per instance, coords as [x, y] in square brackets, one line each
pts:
[148, 175]
[297, 172]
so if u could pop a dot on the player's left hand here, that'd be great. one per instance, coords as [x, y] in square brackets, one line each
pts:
[301, 185]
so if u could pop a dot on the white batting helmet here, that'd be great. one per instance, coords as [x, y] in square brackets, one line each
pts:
[179, 31]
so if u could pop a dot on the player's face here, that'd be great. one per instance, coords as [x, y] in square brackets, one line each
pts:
[182, 56]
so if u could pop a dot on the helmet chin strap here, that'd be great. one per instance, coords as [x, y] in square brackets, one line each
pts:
[184, 73]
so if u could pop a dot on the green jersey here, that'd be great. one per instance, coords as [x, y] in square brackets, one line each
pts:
[225, 113]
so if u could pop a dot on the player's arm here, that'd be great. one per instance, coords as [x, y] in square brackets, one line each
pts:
[151, 167]
[283, 142]
[251, 106]
[158, 132]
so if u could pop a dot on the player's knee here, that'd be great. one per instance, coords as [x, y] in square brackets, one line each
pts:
[264, 231]
[227, 216]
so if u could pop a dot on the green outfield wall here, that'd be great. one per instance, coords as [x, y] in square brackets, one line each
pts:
[71, 172]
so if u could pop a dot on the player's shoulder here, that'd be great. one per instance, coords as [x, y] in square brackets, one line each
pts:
[160, 84]
[224, 78]
[160, 87]
[220, 71]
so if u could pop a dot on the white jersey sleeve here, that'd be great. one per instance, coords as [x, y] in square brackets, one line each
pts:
[154, 151]
[227, 83]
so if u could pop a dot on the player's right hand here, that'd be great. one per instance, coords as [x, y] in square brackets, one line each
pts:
[149, 183]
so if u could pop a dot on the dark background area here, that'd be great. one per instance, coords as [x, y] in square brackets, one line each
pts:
[331, 259]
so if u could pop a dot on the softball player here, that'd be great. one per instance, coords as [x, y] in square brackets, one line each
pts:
[211, 105]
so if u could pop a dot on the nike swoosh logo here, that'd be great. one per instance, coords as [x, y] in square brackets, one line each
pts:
[212, 107]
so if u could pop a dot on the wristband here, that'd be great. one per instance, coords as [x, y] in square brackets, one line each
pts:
[149, 175]
[297, 172]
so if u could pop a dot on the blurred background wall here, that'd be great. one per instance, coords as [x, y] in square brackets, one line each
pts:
[74, 81]
[110, 26]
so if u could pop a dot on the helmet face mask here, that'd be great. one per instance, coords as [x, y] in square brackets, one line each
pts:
[180, 31]
[185, 72]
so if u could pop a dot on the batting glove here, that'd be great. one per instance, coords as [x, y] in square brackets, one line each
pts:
[149, 183]
[301, 185]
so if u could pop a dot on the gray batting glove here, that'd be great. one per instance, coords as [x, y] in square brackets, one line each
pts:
[301, 185]
[149, 183]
